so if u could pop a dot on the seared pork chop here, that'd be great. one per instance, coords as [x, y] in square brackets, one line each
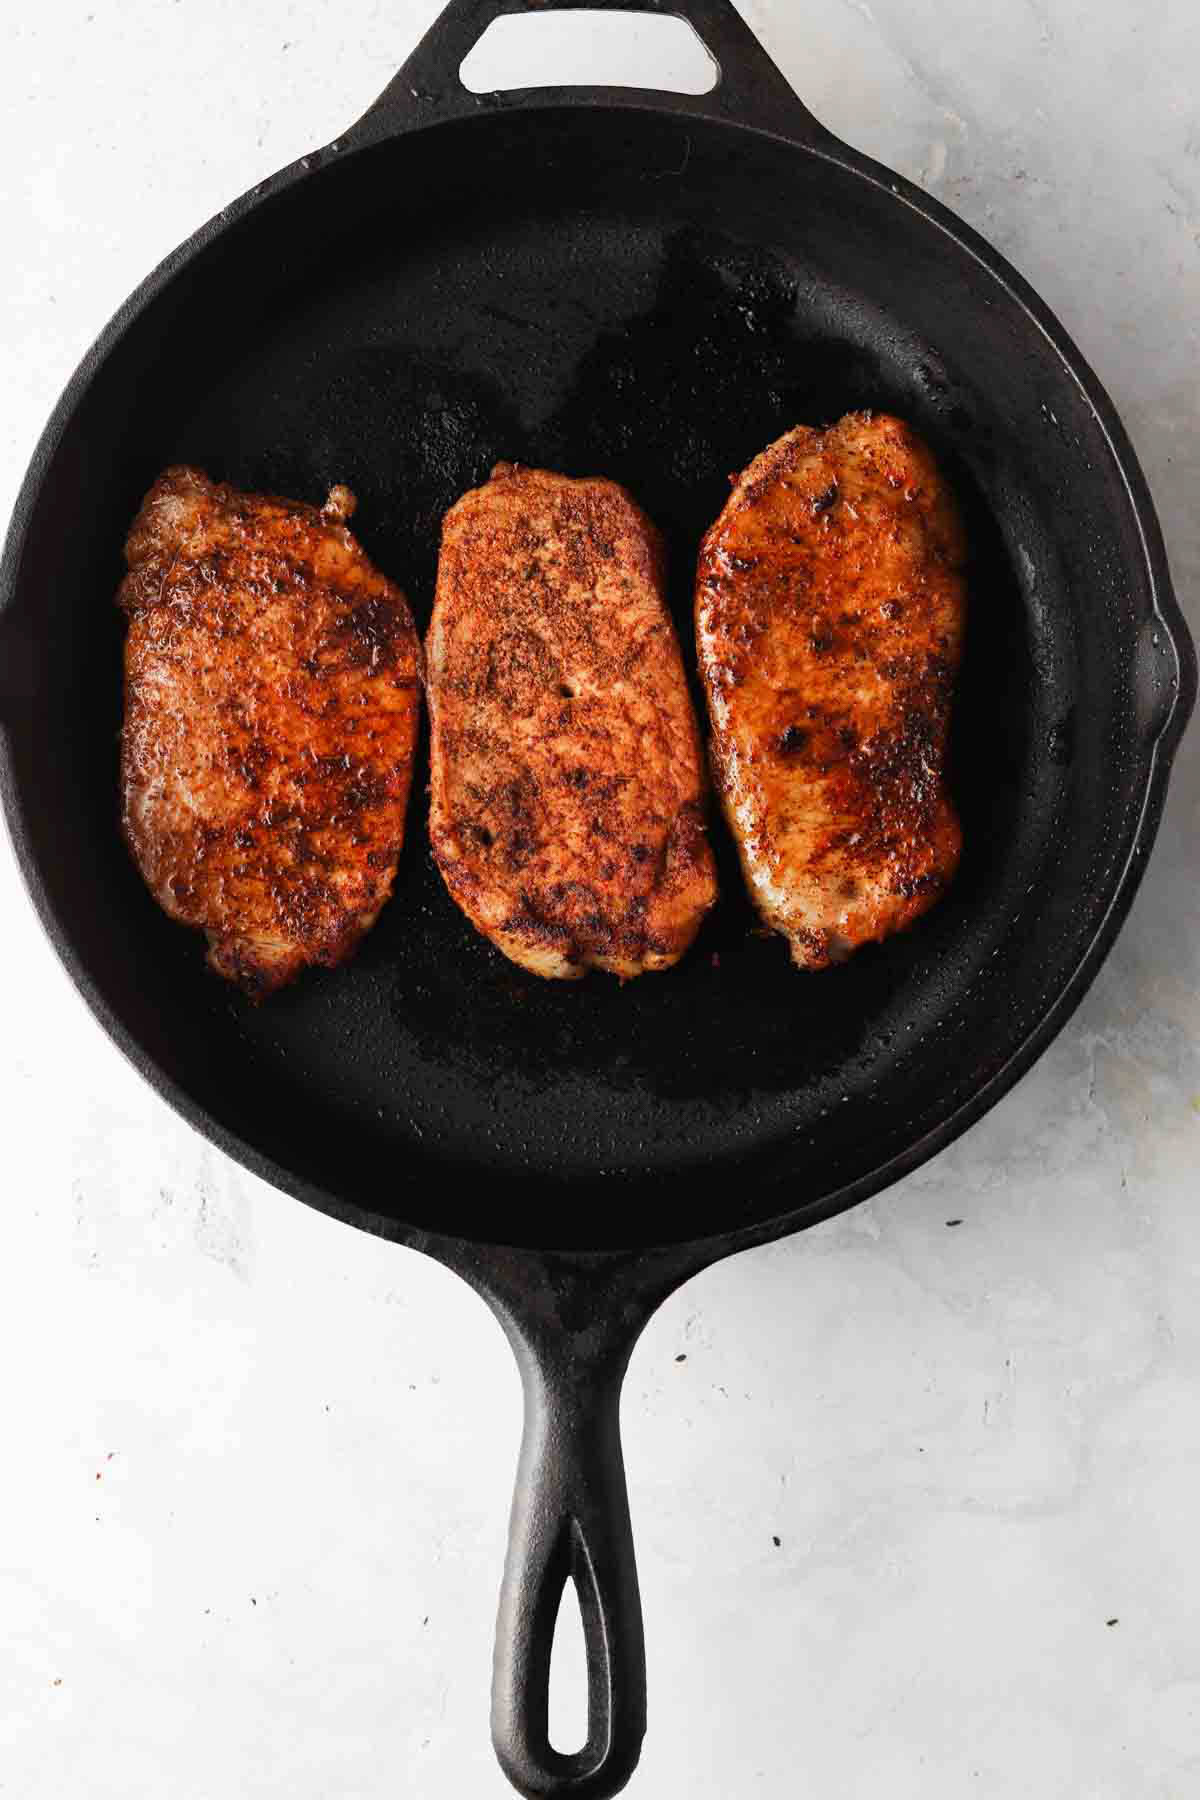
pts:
[830, 609]
[272, 695]
[568, 792]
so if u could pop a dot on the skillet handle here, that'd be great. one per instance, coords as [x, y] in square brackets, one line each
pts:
[750, 89]
[572, 1320]
[570, 1522]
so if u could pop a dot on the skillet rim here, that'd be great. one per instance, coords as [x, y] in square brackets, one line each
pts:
[1158, 739]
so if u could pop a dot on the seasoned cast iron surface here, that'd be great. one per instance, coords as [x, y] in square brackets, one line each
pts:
[665, 362]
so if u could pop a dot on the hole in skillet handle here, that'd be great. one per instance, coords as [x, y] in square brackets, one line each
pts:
[568, 1720]
[588, 48]
[748, 87]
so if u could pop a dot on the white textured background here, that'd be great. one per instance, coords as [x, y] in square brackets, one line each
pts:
[256, 1469]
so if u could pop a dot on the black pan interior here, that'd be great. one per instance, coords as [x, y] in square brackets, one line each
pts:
[652, 299]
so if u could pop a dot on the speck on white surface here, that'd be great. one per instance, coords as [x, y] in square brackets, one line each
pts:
[257, 1467]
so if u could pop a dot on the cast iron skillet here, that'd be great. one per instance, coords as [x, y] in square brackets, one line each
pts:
[650, 287]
